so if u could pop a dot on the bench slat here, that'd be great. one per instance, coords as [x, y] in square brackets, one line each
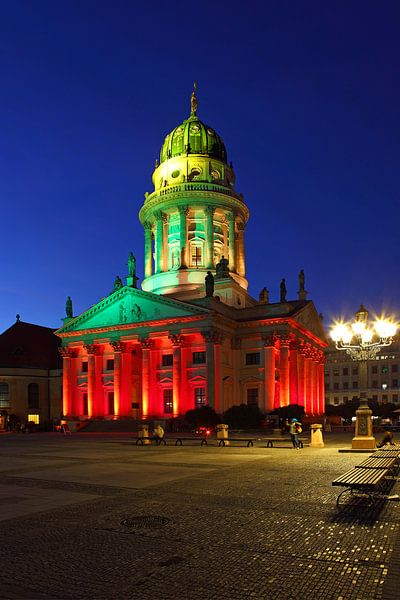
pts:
[359, 477]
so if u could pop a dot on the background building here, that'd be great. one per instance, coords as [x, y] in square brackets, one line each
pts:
[30, 373]
[193, 335]
[342, 377]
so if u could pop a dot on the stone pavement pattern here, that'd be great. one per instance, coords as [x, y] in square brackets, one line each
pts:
[85, 517]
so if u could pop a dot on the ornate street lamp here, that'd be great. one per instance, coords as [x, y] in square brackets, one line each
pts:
[363, 342]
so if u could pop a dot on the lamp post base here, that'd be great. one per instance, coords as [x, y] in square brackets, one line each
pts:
[363, 442]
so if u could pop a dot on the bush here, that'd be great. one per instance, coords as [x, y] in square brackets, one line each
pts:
[293, 411]
[243, 417]
[205, 416]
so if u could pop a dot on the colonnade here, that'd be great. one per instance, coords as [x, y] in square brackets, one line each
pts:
[158, 228]
[293, 374]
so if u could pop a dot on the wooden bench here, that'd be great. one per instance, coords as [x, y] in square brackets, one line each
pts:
[140, 440]
[271, 441]
[372, 483]
[223, 441]
[202, 440]
[391, 464]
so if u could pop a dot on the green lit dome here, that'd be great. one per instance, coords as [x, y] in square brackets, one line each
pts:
[193, 137]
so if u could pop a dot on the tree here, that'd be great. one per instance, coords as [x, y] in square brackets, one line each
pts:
[243, 416]
[205, 416]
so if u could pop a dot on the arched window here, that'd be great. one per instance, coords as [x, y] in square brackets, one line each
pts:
[4, 395]
[33, 395]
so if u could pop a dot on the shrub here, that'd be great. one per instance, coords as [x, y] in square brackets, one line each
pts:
[205, 416]
[243, 416]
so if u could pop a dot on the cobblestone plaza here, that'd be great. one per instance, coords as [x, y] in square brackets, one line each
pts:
[98, 517]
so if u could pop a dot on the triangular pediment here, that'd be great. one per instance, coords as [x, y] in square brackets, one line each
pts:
[309, 318]
[130, 306]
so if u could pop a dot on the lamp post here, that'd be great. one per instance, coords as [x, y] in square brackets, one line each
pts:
[363, 342]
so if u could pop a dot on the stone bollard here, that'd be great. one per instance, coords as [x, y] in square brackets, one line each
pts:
[144, 433]
[223, 432]
[316, 436]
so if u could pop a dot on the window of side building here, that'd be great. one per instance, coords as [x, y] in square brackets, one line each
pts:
[199, 358]
[4, 395]
[84, 366]
[110, 364]
[374, 369]
[252, 396]
[252, 358]
[33, 395]
[394, 368]
[167, 360]
[345, 371]
[168, 401]
[85, 404]
[199, 397]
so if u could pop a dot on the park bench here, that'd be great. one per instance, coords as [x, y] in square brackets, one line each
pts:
[371, 483]
[140, 440]
[272, 441]
[180, 440]
[249, 441]
[391, 464]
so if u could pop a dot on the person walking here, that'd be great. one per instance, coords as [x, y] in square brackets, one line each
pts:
[294, 429]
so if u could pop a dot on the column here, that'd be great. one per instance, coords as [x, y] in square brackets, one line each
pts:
[284, 369]
[146, 345]
[67, 354]
[236, 345]
[308, 402]
[321, 383]
[184, 400]
[148, 262]
[126, 380]
[183, 213]
[293, 372]
[269, 373]
[91, 380]
[177, 342]
[165, 256]
[98, 409]
[232, 241]
[159, 240]
[301, 393]
[213, 339]
[240, 267]
[315, 387]
[210, 210]
[117, 376]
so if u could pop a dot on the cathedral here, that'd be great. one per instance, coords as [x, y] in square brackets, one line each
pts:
[192, 335]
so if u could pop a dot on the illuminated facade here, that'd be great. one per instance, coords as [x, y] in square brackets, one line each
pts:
[174, 346]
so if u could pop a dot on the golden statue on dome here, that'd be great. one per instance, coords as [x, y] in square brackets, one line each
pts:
[193, 101]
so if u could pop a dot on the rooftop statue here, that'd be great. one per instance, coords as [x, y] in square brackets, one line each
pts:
[283, 291]
[131, 265]
[193, 101]
[264, 296]
[209, 279]
[221, 268]
[302, 294]
[68, 308]
[117, 283]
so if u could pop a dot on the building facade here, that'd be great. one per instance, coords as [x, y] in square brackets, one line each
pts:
[30, 373]
[342, 376]
[192, 335]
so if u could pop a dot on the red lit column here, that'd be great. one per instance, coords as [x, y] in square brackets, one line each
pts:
[148, 261]
[67, 355]
[213, 339]
[98, 409]
[315, 387]
[293, 372]
[91, 379]
[284, 369]
[177, 342]
[209, 210]
[308, 371]
[126, 380]
[146, 345]
[269, 373]
[117, 376]
[301, 393]
[321, 383]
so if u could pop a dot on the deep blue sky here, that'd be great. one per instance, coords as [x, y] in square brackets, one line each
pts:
[305, 94]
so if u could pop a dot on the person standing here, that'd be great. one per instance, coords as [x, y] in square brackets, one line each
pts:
[294, 430]
[158, 433]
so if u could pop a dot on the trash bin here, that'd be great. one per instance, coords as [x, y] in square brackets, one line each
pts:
[223, 432]
[316, 436]
[144, 433]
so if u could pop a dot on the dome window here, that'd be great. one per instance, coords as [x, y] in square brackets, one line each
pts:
[175, 173]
